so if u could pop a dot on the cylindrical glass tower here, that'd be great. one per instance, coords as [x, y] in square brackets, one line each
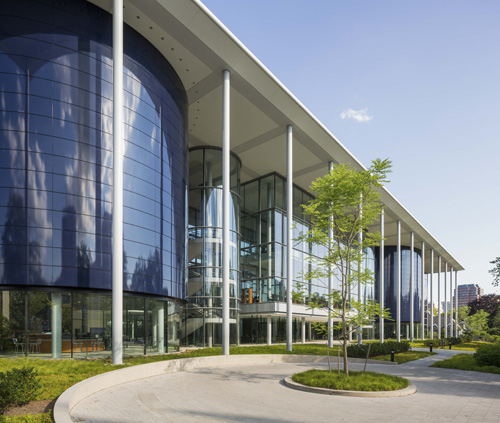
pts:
[203, 318]
[390, 289]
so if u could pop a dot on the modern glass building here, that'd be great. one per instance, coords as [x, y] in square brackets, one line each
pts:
[203, 120]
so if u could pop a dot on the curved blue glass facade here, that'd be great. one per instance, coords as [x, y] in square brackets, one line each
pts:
[390, 282]
[56, 153]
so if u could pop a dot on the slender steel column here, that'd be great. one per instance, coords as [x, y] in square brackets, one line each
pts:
[439, 297]
[431, 306]
[412, 286]
[445, 311]
[117, 269]
[381, 275]
[456, 303]
[289, 238]
[56, 327]
[398, 282]
[159, 312]
[422, 297]
[269, 330]
[226, 218]
[303, 331]
[452, 321]
[330, 279]
[360, 269]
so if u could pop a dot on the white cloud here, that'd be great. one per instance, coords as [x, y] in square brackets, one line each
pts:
[357, 115]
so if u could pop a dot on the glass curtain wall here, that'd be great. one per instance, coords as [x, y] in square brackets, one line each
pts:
[203, 319]
[263, 253]
[263, 247]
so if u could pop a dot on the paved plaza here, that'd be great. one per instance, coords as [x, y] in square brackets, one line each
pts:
[256, 394]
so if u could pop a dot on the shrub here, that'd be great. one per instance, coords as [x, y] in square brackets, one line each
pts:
[18, 386]
[376, 349]
[488, 355]
[492, 338]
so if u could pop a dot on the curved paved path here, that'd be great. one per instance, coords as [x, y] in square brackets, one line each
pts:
[255, 394]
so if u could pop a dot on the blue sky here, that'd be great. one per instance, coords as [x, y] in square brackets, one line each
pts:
[427, 73]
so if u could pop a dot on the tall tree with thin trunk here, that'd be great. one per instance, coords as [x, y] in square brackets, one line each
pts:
[347, 201]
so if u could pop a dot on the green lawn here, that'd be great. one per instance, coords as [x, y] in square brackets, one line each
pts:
[405, 357]
[465, 362]
[466, 346]
[357, 381]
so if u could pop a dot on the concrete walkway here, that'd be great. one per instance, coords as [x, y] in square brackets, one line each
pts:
[255, 394]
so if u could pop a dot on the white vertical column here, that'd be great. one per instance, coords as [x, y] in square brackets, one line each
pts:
[431, 306]
[117, 269]
[56, 326]
[422, 297]
[270, 238]
[439, 297]
[226, 220]
[381, 275]
[452, 321]
[330, 279]
[289, 237]
[160, 320]
[412, 286]
[303, 330]
[269, 330]
[445, 311]
[456, 303]
[398, 282]
[360, 269]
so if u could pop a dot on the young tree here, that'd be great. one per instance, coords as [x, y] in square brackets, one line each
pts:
[477, 323]
[346, 203]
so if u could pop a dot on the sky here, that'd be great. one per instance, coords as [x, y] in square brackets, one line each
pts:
[417, 82]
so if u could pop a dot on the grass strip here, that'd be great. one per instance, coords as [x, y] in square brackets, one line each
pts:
[405, 357]
[356, 381]
[28, 418]
[465, 362]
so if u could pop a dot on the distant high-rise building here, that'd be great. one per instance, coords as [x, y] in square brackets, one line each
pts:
[468, 293]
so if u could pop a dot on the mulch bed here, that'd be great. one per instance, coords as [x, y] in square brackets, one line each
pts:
[32, 407]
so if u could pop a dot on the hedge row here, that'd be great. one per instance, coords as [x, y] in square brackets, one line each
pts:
[439, 342]
[376, 349]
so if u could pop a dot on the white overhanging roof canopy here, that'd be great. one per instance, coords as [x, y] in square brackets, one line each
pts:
[200, 47]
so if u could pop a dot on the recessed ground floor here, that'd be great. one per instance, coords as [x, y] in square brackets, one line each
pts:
[77, 324]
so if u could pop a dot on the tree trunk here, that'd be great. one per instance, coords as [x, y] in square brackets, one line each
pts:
[345, 334]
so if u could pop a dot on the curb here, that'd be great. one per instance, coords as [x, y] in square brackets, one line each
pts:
[72, 396]
[409, 390]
